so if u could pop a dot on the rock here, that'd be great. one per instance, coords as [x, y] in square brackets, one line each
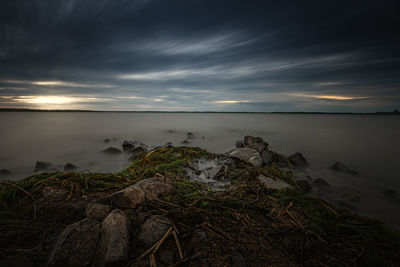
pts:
[390, 194]
[97, 211]
[340, 167]
[239, 144]
[152, 230]
[5, 173]
[189, 135]
[168, 144]
[16, 261]
[320, 184]
[131, 145]
[52, 191]
[237, 261]
[106, 140]
[185, 142]
[136, 194]
[267, 156]
[298, 160]
[167, 256]
[198, 237]
[76, 245]
[69, 167]
[281, 160]
[249, 140]
[211, 173]
[304, 186]
[270, 183]
[171, 131]
[44, 167]
[247, 155]
[112, 151]
[114, 242]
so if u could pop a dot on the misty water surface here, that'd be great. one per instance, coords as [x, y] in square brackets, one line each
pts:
[368, 144]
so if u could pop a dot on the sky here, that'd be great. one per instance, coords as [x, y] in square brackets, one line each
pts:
[200, 55]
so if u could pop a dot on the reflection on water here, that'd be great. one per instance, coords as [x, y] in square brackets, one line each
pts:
[366, 143]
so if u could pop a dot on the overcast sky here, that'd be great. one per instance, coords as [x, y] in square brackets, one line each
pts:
[200, 55]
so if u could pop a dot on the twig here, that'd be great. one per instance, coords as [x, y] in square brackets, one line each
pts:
[153, 260]
[159, 243]
[178, 244]
[27, 193]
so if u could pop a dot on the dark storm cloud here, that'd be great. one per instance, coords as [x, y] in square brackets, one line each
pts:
[200, 55]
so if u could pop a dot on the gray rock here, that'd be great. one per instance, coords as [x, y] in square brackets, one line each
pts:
[76, 245]
[97, 211]
[247, 155]
[152, 230]
[5, 173]
[267, 156]
[281, 160]
[270, 183]
[114, 242]
[239, 144]
[304, 186]
[106, 140]
[340, 167]
[44, 167]
[69, 167]
[298, 160]
[112, 151]
[320, 184]
[249, 140]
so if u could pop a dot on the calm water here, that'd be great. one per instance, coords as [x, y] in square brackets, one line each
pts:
[366, 143]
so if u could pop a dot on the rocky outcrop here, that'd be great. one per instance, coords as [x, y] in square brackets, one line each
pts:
[247, 155]
[76, 245]
[271, 183]
[114, 242]
[153, 229]
[298, 160]
[97, 211]
[112, 151]
[147, 189]
[340, 167]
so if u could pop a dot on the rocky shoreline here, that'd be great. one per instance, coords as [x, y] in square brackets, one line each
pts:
[184, 206]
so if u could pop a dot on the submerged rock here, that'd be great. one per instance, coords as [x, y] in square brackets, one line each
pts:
[168, 144]
[320, 183]
[70, 167]
[189, 135]
[185, 142]
[4, 173]
[112, 151]
[340, 167]
[97, 211]
[76, 245]
[153, 229]
[270, 183]
[44, 167]
[131, 145]
[249, 140]
[247, 155]
[106, 140]
[114, 241]
[298, 160]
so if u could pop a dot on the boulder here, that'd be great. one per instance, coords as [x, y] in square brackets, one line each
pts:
[340, 167]
[267, 156]
[97, 211]
[270, 183]
[153, 229]
[298, 160]
[320, 183]
[114, 241]
[136, 194]
[44, 167]
[69, 167]
[239, 144]
[247, 155]
[76, 245]
[4, 173]
[112, 151]
[304, 186]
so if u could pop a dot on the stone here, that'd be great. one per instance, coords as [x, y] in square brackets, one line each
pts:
[304, 186]
[76, 245]
[152, 230]
[189, 135]
[270, 183]
[340, 167]
[114, 241]
[44, 167]
[281, 160]
[239, 144]
[97, 211]
[320, 183]
[112, 151]
[5, 173]
[247, 155]
[249, 140]
[298, 160]
[267, 156]
[131, 145]
[155, 187]
[70, 167]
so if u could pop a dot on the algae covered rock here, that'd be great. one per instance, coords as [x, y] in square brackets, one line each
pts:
[247, 155]
[76, 245]
[97, 211]
[114, 241]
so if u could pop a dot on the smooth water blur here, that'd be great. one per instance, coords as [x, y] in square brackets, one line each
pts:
[368, 144]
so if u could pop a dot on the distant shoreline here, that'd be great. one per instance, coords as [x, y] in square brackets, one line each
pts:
[233, 112]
